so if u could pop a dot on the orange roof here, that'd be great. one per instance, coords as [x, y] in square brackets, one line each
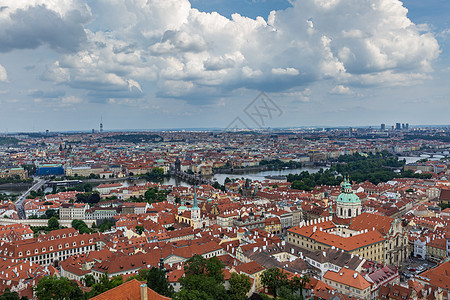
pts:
[369, 221]
[249, 268]
[129, 290]
[348, 277]
[439, 276]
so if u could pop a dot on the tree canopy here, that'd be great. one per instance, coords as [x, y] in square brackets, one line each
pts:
[105, 284]
[54, 288]
[240, 284]
[81, 226]
[203, 279]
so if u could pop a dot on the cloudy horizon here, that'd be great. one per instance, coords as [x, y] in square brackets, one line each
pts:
[153, 64]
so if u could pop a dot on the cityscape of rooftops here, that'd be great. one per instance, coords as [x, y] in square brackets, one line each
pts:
[224, 149]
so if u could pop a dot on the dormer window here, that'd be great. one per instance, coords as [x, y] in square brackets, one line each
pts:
[67, 245]
[20, 253]
[50, 248]
[70, 234]
[28, 252]
[59, 246]
[64, 235]
[43, 249]
[74, 244]
[36, 251]
[82, 242]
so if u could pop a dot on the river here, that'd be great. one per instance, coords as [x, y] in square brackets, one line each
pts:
[258, 175]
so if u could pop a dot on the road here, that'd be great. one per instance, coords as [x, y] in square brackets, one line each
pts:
[21, 200]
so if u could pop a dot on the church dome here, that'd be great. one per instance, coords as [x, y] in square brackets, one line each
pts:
[347, 195]
[348, 198]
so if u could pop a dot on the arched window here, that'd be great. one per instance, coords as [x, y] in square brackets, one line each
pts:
[342, 214]
[349, 212]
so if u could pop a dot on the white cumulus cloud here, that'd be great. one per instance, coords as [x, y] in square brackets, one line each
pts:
[341, 90]
[183, 52]
[3, 74]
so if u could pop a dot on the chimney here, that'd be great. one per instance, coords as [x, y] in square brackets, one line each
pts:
[144, 295]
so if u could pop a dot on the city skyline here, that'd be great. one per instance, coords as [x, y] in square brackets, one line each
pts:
[201, 64]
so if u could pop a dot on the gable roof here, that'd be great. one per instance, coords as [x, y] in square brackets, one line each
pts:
[348, 277]
[130, 290]
[369, 221]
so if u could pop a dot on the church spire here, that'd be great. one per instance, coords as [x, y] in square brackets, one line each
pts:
[195, 199]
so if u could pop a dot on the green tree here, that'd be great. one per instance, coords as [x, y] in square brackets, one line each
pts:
[273, 279]
[240, 284]
[157, 281]
[139, 229]
[8, 295]
[105, 226]
[87, 187]
[51, 287]
[105, 284]
[203, 279]
[53, 223]
[89, 280]
[297, 284]
[81, 226]
[49, 213]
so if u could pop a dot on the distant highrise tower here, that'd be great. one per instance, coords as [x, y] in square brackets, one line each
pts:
[101, 124]
[407, 126]
[383, 127]
[350, 131]
[403, 126]
[398, 126]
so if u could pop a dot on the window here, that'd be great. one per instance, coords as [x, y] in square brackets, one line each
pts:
[59, 246]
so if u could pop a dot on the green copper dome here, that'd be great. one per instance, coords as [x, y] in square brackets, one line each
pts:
[347, 195]
[348, 198]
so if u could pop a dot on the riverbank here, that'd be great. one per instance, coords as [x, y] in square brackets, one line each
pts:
[15, 186]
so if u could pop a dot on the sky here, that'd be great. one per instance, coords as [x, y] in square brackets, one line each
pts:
[159, 64]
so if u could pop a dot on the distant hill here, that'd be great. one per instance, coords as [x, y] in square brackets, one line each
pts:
[136, 138]
[4, 140]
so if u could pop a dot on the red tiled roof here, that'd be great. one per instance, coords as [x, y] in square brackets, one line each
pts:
[129, 290]
[348, 277]
[369, 221]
